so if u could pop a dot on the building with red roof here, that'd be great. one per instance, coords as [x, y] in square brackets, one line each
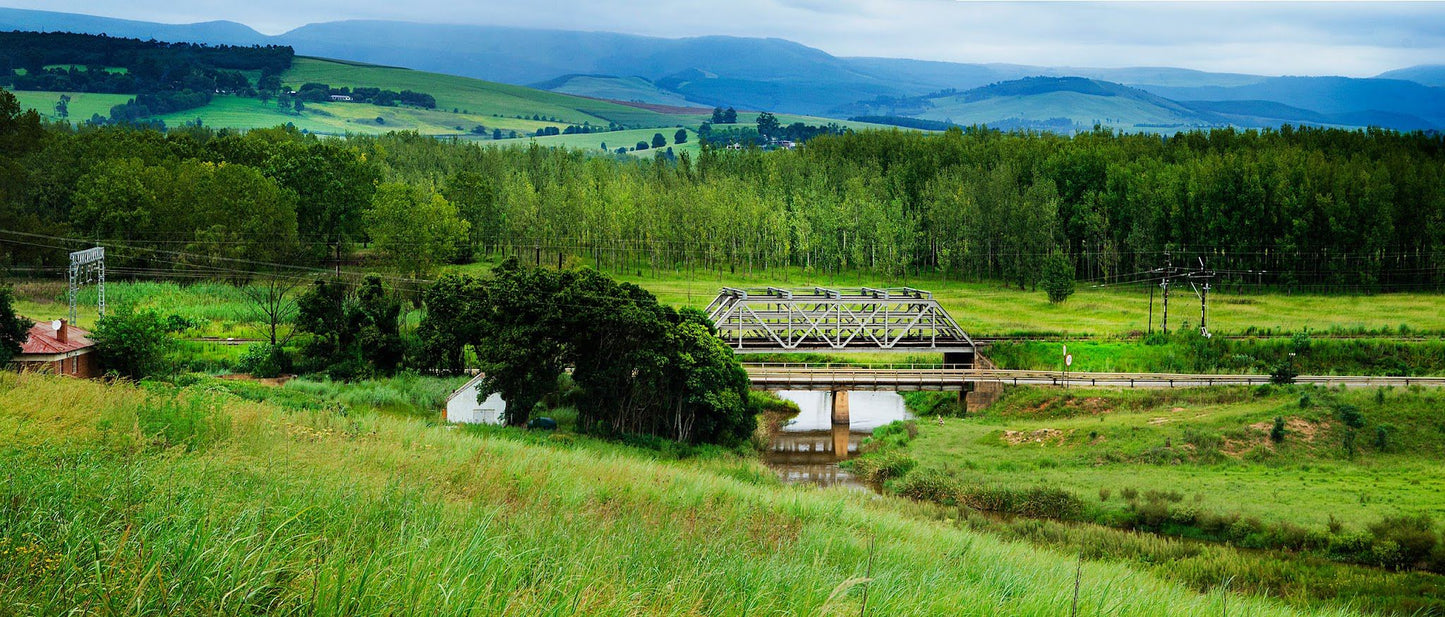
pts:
[60, 348]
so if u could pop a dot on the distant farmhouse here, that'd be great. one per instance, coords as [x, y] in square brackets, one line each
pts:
[59, 348]
[463, 408]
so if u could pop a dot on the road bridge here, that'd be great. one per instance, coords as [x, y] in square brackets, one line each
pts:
[782, 320]
[824, 320]
[836, 377]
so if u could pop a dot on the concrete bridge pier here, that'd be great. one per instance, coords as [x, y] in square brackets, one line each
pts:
[840, 407]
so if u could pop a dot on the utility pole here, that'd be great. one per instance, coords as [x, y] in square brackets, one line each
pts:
[1203, 294]
[1164, 284]
[1151, 309]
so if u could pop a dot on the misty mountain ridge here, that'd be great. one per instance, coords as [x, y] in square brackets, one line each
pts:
[784, 76]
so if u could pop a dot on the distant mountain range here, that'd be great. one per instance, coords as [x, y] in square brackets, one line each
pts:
[784, 76]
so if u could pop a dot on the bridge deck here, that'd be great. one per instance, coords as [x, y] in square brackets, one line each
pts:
[767, 376]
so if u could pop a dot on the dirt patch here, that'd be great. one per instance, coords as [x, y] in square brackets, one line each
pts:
[270, 381]
[1294, 428]
[1041, 436]
[1158, 421]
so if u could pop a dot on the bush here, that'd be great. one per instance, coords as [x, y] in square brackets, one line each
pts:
[1404, 542]
[1350, 415]
[264, 360]
[879, 468]
[931, 485]
[1384, 435]
[1104, 494]
[1276, 433]
[133, 344]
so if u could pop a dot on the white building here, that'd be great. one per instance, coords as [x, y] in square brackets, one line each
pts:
[462, 405]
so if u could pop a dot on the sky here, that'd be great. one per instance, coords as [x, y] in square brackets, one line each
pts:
[1277, 38]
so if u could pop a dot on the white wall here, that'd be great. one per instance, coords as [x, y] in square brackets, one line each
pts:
[464, 408]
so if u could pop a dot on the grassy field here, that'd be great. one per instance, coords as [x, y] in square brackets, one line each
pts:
[613, 139]
[984, 309]
[82, 105]
[1212, 446]
[474, 95]
[150, 500]
[1320, 514]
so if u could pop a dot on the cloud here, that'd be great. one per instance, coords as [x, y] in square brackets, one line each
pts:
[1351, 38]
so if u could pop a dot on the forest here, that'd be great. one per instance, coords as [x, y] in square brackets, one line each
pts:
[1295, 208]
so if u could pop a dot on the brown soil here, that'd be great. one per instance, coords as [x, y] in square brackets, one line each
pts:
[270, 381]
[1043, 435]
[1294, 428]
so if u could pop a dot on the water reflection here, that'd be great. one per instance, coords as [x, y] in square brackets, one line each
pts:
[808, 448]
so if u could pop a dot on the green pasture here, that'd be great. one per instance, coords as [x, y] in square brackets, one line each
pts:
[473, 95]
[209, 500]
[82, 105]
[1211, 446]
[992, 309]
[613, 139]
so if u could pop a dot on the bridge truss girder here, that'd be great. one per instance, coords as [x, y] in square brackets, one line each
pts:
[780, 320]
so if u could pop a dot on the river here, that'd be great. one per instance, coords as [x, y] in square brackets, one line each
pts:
[808, 448]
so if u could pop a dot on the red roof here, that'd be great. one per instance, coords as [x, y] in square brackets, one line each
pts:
[42, 340]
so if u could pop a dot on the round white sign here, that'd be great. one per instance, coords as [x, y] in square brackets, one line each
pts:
[1068, 360]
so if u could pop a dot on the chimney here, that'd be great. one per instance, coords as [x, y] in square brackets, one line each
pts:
[60, 333]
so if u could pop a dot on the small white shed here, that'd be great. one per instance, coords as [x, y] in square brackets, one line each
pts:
[462, 405]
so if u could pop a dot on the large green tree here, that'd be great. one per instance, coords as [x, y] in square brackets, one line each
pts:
[134, 344]
[414, 228]
[13, 329]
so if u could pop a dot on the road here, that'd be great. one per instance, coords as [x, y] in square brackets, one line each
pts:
[937, 377]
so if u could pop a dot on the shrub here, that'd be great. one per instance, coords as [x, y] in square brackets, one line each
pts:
[133, 344]
[1403, 542]
[1162, 496]
[1349, 443]
[930, 485]
[264, 360]
[1276, 433]
[884, 466]
[1129, 494]
[1350, 415]
[1384, 435]
[1104, 494]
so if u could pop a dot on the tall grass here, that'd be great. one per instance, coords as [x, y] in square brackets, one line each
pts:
[319, 513]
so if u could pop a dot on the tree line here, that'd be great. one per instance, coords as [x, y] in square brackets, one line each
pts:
[165, 77]
[1299, 207]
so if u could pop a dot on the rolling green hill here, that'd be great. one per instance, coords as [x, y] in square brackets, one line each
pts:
[472, 95]
[613, 139]
[1053, 103]
[463, 104]
[634, 89]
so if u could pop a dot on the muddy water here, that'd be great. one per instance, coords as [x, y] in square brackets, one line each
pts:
[808, 448]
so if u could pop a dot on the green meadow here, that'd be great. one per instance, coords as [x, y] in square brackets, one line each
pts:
[1212, 446]
[991, 309]
[215, 498]
[614, 140]
[82, 105]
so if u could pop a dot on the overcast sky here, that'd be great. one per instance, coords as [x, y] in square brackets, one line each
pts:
[1295, 38]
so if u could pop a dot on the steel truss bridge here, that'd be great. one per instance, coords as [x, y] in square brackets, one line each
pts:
[818, 319]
